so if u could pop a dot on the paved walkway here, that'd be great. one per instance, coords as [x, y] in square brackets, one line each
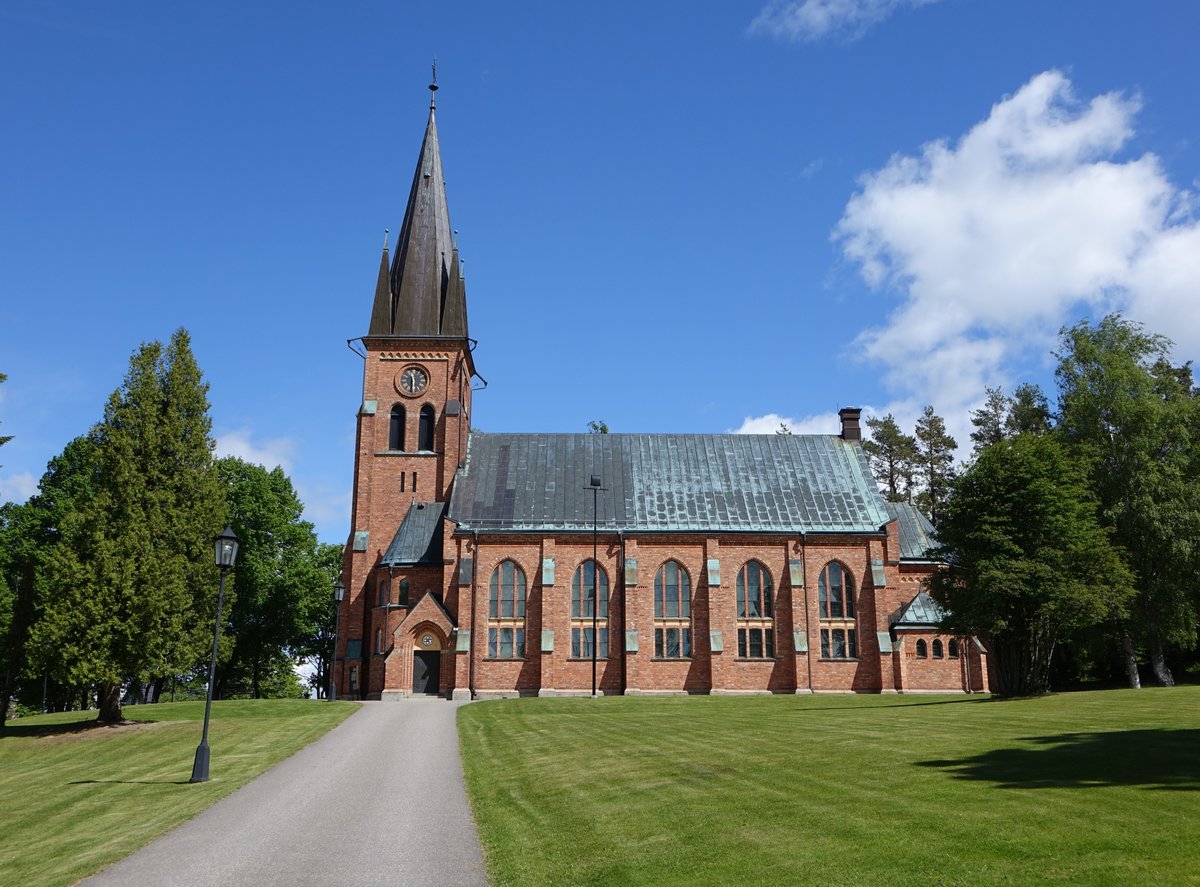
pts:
[377, 800]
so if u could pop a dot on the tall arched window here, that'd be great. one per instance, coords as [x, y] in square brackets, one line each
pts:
[589, 594]
[384, 592]
[672, 612]
[403, 592]
[755, 611]
[396, 428]
[506, 612]
[425, 429]
[937, 649]
[835, 604]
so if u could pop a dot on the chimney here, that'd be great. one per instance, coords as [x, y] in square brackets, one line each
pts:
[850, 426]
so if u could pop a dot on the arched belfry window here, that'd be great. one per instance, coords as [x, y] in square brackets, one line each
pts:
[396, 429]
[425, 435]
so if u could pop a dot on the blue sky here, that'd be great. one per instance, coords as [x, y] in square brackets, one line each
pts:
[688, 217]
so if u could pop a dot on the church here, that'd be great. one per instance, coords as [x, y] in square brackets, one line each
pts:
[489, 565]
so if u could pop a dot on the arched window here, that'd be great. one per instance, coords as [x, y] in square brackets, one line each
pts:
[378, 641]
[756, 623]
[506, 612]
[922, 650]
[953, 648]
[403, 596]
[937, 650]
[384, 592]
[589, 594]
[672, 612]
[835, 604]
[396, 429]
[425, 430]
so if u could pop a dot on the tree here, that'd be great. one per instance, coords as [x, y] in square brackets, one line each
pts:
[1029, 560]
[891, 454]
[134, 583]
[28, 533]
[3, 438]
[1029, 412]
[282, 586]
[1134, 420]
[989, 420]
[316, 643]
[783, 428]
[597, 426]
[934, 463]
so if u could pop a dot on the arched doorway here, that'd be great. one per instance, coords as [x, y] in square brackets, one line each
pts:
[427, 663]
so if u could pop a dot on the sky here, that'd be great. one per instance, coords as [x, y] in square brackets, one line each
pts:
[691, 217]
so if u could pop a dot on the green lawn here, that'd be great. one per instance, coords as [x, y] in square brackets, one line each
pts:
[75, 797]
[1085, 788]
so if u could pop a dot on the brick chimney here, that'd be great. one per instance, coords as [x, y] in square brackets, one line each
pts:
[850, 427]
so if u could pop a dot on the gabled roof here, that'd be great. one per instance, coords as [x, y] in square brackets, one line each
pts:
[667, 482]
[921, 612]
[418, 541]
[917, 535]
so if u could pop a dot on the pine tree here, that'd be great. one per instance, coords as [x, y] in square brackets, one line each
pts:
[990, 419]
[136, 586]
[934, 463]
[1029, 412]
[891, 454]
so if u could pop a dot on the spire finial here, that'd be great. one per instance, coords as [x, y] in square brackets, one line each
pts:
[433, 87]
[385, 239]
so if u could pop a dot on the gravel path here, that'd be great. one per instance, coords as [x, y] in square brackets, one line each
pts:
[377, 800]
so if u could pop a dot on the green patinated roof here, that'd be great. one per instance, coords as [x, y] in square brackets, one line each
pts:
[774, 483]
[917, 534]
[921, 612]
[419, 538]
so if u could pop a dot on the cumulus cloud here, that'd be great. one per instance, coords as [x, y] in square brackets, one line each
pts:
[279, 451]
[810, 20]
[1027, 222]
[18, 487]
[818, 423]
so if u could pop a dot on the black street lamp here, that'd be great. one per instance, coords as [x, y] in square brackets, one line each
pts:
[339, 595]
[226, 549]
[595, 582]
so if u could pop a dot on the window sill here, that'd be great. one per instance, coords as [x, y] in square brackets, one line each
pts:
[756, 659]
[671, 659]
[838, 659]
[503, 658]
[586, 659]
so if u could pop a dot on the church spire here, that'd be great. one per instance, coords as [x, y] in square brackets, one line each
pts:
[425, 294]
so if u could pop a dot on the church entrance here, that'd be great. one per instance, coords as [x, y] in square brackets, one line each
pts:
[427, 664]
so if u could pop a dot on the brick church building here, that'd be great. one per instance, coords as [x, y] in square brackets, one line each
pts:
[483, 565]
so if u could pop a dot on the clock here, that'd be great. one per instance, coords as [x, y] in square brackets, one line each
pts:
[412, 380]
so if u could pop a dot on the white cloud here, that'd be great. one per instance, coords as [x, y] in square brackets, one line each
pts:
[274, 451]
[18, 487]
[1025, 223]
[818, 423]
[810, 20]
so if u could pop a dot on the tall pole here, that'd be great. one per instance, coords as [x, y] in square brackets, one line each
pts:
[595, 582]
[337, 619]
[200, 765]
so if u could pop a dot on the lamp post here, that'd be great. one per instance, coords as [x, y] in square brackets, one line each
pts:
[595, 582]
[226, 548]
[339, 594]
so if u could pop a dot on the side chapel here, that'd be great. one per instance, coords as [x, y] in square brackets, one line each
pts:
[723, 563]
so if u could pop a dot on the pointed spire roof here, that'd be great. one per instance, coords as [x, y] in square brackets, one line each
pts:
[425, 291]
[381, 311]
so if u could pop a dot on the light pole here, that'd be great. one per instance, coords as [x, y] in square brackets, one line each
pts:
[339, 594]
[226, 548]
[595, 582]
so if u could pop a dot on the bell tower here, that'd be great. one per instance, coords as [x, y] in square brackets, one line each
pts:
[415, 411]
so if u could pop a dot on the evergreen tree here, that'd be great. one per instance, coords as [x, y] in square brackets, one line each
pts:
[892, 455]
[1029, 560]
[1029, 411]
[934, 463]
[135, 585]
[282, 587]
[1133, 418]
[990, 420]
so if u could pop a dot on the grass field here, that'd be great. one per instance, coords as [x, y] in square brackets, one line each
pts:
[75, 797]
[1086, 788]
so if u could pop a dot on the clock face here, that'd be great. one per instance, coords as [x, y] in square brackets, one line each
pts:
[412, 380]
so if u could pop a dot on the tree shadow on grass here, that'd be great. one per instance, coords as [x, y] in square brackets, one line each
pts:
[1160, 760]
[70, 728]
[131, 782]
